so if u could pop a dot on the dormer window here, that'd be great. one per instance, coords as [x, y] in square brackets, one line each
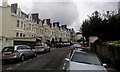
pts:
[18, 22]
[18, 13]
[30, 18]
[56, 25]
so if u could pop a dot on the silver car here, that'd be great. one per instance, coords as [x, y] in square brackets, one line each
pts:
[42, 47]
[82, 61]
[17, 52]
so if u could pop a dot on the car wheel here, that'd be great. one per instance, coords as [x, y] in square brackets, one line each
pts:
[22, 58]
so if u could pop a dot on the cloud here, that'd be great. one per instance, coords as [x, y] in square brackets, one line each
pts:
[108, 6]
[63, 12]
[96, 0]
[70, 12]
[87, 8]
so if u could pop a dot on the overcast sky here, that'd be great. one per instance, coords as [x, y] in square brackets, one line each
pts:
[69, 12]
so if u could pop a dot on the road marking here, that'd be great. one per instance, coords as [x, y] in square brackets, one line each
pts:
[9, 68]
[47, 69]
[63, 68]
[24, 61]
[30, 59]
[18, 64]
[64, 64]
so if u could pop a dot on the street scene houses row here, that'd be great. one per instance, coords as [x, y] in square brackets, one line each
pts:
[18, 26]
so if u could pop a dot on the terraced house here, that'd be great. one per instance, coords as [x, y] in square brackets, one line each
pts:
[18, 27]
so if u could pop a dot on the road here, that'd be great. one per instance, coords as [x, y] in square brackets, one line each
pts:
[53, 60]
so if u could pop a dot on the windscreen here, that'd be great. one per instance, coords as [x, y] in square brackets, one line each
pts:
[8, 49]
[85, 58]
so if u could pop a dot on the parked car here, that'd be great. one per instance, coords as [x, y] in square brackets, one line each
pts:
[42, 47]
[84, 62]
[20, 52]
[76, 46]
[59, 45]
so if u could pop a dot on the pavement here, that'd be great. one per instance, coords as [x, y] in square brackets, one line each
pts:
[111, 68]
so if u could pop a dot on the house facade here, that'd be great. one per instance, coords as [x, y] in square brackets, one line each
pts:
[18, 27]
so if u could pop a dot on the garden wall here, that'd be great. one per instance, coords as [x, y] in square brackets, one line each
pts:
[108, 53]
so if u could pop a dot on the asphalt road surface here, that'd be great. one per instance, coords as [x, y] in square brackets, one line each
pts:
[53, 60]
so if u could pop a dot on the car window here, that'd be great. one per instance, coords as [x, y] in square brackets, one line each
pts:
[37, 47]
[28, 47]
[78, 49]
[8, 49]
[24, 47]
[85, 58]
[19, 48]
[38, 44]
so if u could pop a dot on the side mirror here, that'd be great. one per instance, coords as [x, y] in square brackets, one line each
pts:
[105, 65]
[67, 59]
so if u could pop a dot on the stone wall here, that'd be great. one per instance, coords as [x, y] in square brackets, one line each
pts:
[108, 53]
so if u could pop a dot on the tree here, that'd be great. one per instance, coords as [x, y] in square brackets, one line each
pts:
[92, 26]
[106, 26]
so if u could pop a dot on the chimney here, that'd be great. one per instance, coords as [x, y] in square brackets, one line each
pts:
[56, 24]
[53, 24]
[4, 3]
[43, 21]
[35, 16]
[64, 26]
[14, 8]
[48, 21]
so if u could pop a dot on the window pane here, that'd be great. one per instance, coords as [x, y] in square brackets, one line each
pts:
[21, 24]
[20, 34]
[18, 23]
[17, 34]
[30, 26]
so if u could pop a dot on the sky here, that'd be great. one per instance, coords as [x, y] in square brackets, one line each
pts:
[69, 12]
